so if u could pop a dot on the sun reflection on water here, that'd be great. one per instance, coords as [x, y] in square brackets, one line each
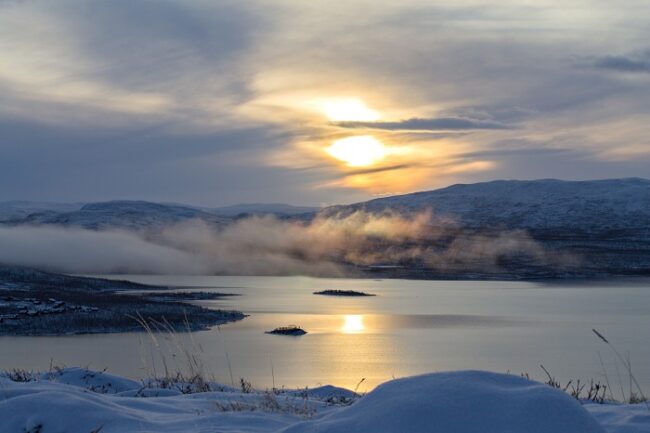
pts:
[353, 323]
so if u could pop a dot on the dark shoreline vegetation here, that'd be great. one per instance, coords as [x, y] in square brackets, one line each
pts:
[351, 293]
[41, 303]
[292, 330]
[185, 296]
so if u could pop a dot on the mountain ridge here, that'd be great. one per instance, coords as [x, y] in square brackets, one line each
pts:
[607, 204]
[501, 229]
[544, 204]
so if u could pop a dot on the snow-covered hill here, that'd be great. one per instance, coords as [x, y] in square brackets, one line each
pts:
[19, 209]
[585, 206]
[538, 204]
[278, 209]
[128, 214]
[122, 214]
[500, 229]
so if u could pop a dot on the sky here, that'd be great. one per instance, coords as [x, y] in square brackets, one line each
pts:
[316, 103]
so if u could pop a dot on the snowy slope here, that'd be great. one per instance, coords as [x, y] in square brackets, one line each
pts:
[598, 205]
[123, 214]
[538, 204]
[278, 209]
[129, 214]
[82, 401]
[18, 209]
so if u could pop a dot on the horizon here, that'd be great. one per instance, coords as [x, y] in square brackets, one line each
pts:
[298, 205]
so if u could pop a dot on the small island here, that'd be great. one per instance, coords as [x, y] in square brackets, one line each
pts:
[292, 330]
[342, 293]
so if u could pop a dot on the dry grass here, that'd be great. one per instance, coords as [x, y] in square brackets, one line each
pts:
[594, 391]
[173, 360]
[635, 393]
[603, 392]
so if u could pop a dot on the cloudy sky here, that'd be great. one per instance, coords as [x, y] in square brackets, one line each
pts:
[318, 102]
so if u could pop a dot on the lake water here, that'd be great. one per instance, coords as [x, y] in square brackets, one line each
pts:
[410, 327]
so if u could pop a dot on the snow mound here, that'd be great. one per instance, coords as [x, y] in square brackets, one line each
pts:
[44, 407]
[81, 401]
[328, 394]
[96, 381]
[459, 402]
[621, 418]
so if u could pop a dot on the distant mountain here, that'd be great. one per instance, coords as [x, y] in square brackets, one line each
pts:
[129, 214]
[587, 206]
[501, 229]
[19, 209]
[603, 225]
[124, 214]
[536, 205]
[278, 209]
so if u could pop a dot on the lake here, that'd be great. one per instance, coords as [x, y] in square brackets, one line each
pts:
[410, 327]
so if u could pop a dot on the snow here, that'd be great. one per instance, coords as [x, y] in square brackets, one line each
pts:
[631, 418]
[134, 214]
[81, 401]
[278, 209]
[17, 209]
[535, 204]
[125, 214]
[467, 402]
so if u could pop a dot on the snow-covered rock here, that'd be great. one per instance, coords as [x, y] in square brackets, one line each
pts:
[76, 401]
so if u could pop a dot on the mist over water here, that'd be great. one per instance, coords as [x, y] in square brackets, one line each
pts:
[323, 246]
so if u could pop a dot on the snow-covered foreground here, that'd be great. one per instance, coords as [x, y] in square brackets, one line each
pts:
[81, 401]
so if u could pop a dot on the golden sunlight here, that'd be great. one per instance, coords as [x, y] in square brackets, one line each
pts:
[358, 151]
[348, 110]
[352, 324]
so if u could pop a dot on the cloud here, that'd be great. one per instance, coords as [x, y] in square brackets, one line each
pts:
[636, 64]
[434, 124]
[332, 245]
[178, 61]
[105, 99]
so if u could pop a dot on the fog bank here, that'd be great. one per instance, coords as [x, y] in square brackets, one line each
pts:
[324, 246]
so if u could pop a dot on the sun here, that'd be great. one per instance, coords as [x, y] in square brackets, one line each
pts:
[348, 110]
[358, 151]
[352, 324]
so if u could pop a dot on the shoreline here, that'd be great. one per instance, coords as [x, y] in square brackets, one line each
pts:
[35, 303]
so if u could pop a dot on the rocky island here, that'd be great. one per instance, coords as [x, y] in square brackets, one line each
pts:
[343, 293]
[292, 330]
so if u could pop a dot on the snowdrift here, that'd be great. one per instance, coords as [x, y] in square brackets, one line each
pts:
[82, 401]
[459, 402]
